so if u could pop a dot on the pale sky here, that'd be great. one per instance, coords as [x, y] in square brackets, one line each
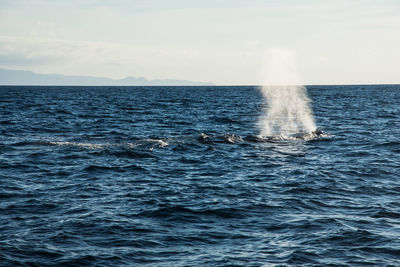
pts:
[218, 41]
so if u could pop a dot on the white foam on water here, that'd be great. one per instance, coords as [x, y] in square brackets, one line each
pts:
[79, 144]
[288, 112]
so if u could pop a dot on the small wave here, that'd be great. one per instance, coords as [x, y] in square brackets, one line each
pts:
[99, 168]
[146, 143]
[7, 122]
[352, 238]
[383, 213]
[57, 143]
[316, 135]
[32, 206]
[8, 195]
[225, 120]
[391, 144]
[178, 212]
[94, 168]
[78, 144]
[6, 148]
[129, 153]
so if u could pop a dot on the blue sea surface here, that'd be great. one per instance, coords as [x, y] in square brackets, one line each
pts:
[173, 176]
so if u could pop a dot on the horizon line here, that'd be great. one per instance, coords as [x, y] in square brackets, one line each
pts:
[201, 83]
[194, 85]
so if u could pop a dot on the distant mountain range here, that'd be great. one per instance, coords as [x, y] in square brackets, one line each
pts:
[22, 77]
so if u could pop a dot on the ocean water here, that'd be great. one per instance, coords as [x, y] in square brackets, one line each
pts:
[174, 176]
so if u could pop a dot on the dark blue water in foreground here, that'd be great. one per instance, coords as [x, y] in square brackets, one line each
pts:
[111, 176]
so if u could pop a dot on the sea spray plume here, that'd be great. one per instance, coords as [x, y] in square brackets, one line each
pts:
[288, 112]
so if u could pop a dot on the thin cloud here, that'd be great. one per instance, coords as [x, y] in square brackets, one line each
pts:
[210, 40]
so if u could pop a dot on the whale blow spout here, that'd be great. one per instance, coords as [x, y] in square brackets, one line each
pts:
[288, 112]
